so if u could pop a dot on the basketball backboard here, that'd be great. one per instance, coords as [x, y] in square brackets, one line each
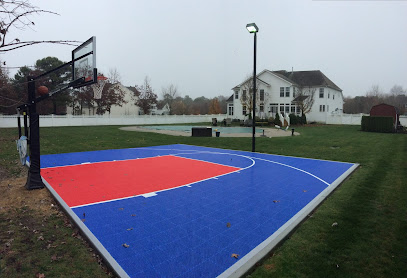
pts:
[84, 63]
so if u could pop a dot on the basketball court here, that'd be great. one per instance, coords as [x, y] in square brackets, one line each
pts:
[187, 211]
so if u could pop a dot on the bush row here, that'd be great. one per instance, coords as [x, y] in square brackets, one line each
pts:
[377, 124]
[294, 120]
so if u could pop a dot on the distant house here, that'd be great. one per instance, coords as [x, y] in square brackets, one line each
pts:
[162, 109]
[281, 91]
[386, 110]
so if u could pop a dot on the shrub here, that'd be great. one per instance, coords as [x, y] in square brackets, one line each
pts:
[377, 124]
[271, 121]
[277, 120]
[293, 119]
[303, 119]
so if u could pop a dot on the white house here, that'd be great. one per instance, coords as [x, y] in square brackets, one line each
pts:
[282, 91]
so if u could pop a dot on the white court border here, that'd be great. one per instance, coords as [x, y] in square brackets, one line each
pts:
[243, 265]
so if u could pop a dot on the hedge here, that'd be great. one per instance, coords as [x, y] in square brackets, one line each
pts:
[377, 124]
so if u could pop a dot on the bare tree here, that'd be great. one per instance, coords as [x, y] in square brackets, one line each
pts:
[169, 94]
[146, 98]
[16, 14]
[246, 99]
[397, 90]
[374, 96]
[304, 98]
[114, 76]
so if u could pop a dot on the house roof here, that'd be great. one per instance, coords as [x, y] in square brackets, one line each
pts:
[307, 78]
[230, 99]
[301, 78]
[134, 90]
[248, 79]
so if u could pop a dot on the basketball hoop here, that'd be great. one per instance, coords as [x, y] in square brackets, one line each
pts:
[98, 87]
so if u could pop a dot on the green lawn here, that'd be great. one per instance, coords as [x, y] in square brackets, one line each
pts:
[369, 240]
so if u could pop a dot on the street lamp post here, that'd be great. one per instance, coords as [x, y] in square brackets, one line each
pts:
[252, 28]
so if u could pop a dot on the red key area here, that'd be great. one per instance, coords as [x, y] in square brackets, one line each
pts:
[102, 181]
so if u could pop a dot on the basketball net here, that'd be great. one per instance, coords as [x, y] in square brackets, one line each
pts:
[98, 87]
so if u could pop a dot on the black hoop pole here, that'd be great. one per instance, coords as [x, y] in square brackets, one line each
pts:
[25, 124]
[34, 180]
[19, 123]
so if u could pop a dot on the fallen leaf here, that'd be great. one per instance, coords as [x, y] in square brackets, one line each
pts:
[334, 224]
[269, 266]
[129, 229]
[83, 220]
[133, 215]
[236, 256]
[276, 201]
[121, 208]
[40, 275]
[126, 245]
[304, 191]
[228, 225]
[40, 238]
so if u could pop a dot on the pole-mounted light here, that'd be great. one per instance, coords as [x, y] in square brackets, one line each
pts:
[252, 28]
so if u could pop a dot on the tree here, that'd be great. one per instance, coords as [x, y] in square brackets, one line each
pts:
[246, 99]
[304, 98]
[146, 98]
[214, 107]
[53, 81]
[222, 103]
[169, 94]
[9, 98]
[200, 105]
[16, 14]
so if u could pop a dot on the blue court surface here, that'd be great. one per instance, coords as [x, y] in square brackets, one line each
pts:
[187, 211]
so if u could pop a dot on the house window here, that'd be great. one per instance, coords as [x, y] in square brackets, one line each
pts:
[261, 95]
[333, 96]
[281, 91]
[281, 107]
[230, 110]
[298, 110]
[321, 92]
[322, 108]
[261, 108]
[287, 91]
[327, 108]
[293, 92]
[287, 108]
[244, 95]
[244, 110]
[273, 108]
[292, 109]
[329, 95]
[237, 95]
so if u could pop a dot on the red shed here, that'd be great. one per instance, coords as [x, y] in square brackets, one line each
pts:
[384, 109]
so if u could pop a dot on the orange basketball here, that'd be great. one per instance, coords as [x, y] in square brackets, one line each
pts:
[42, 90]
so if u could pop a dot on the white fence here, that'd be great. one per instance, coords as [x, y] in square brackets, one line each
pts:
[353, 119]
[69, 120]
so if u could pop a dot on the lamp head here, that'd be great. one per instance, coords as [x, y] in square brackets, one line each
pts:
[252, 28]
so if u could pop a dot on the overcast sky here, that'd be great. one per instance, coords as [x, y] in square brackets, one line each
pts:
[203, 47]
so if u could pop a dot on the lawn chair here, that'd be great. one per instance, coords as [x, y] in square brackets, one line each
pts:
[228, 122]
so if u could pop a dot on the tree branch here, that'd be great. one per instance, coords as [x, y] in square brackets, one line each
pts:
[17, 45]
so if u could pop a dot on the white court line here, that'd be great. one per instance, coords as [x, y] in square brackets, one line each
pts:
[96, 162]
[209, 152]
